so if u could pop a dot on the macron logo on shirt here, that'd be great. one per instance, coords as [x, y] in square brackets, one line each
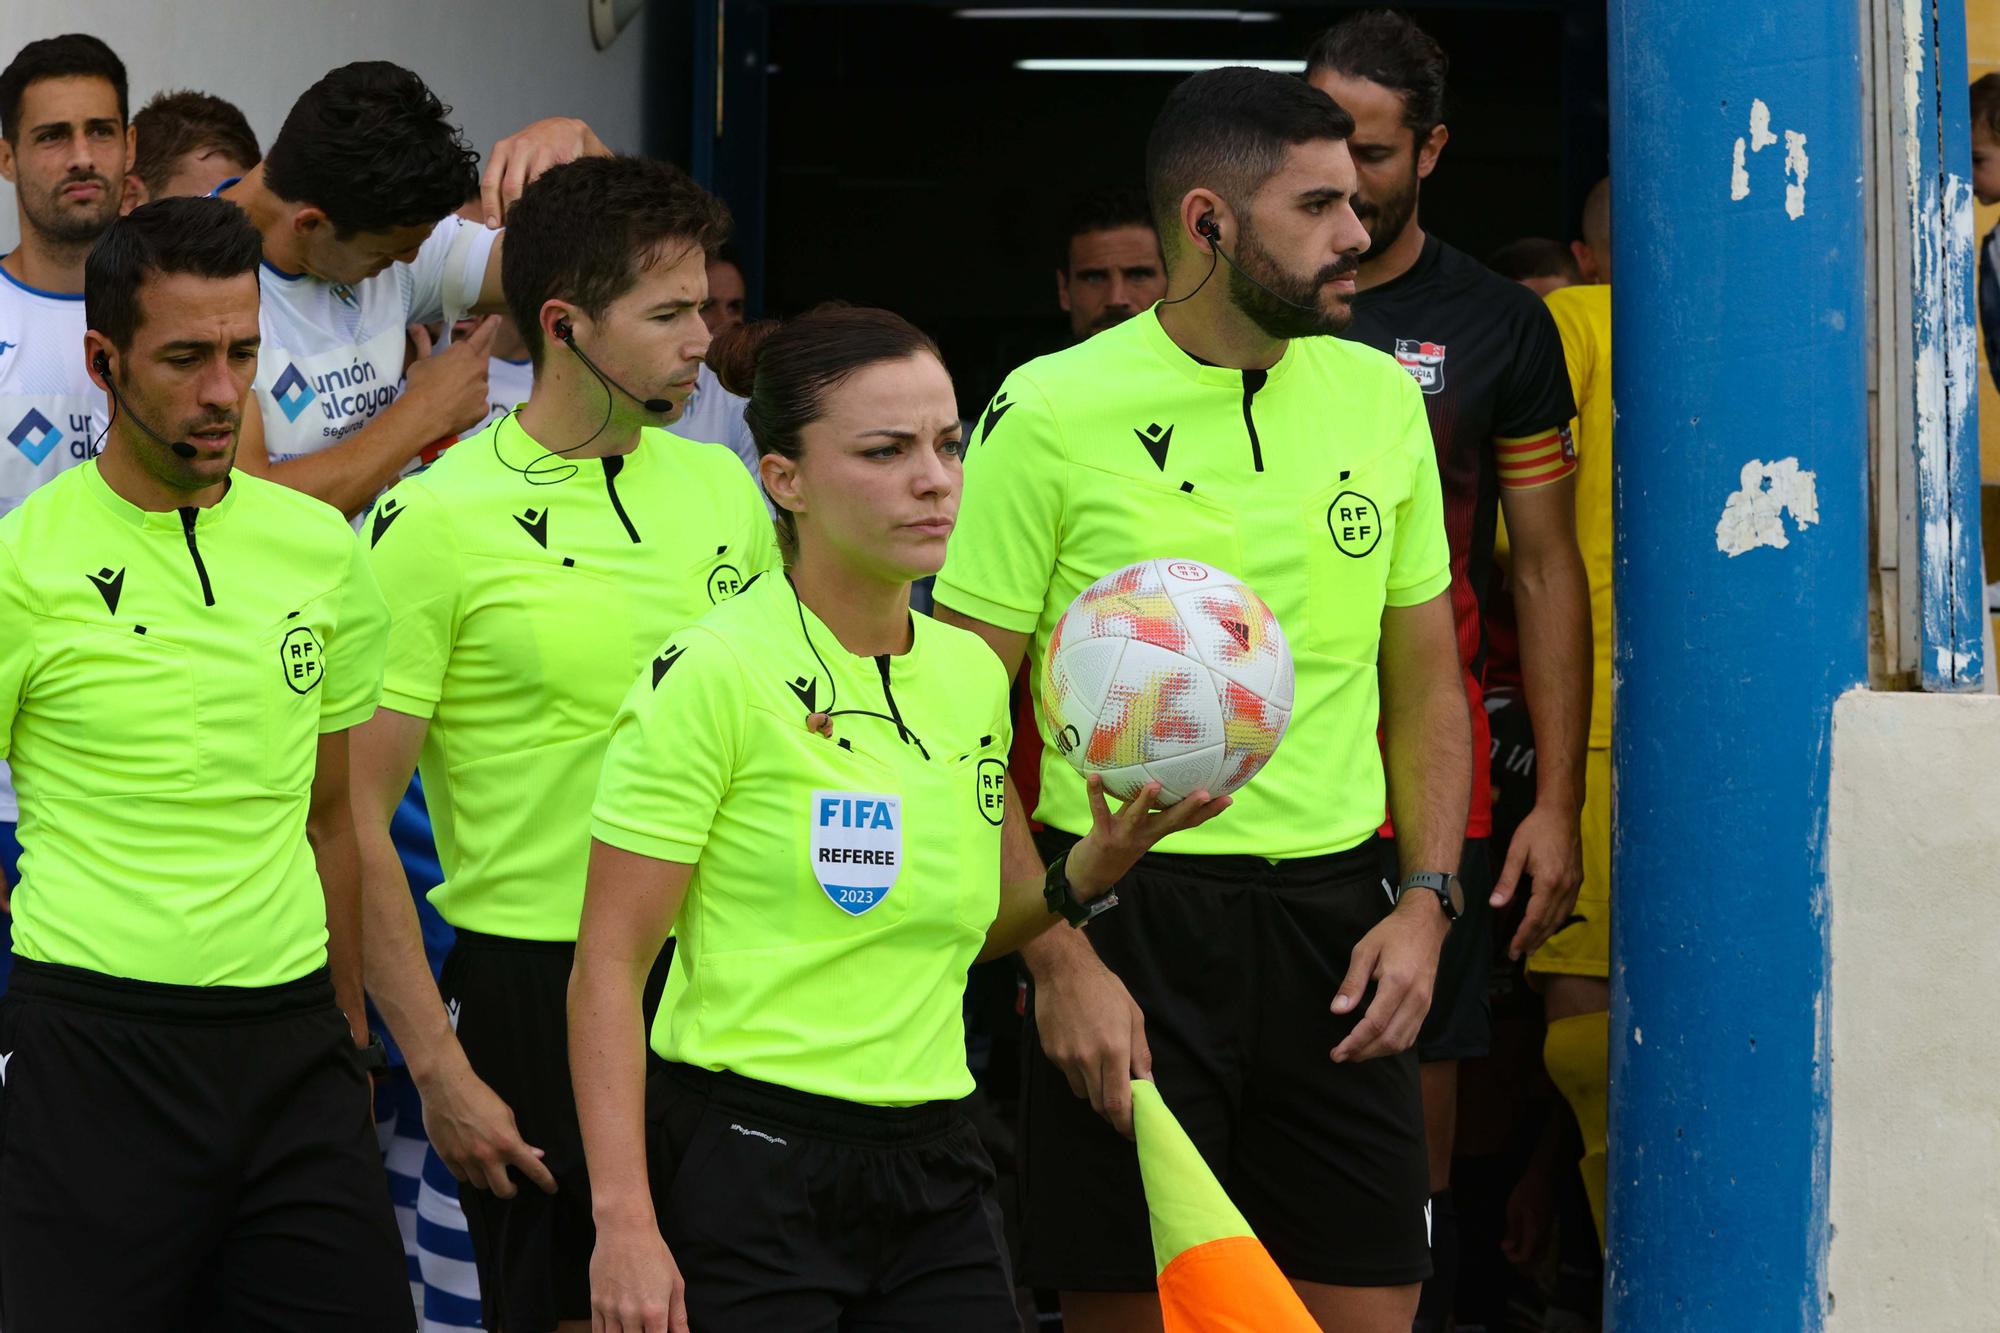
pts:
[6, 347]
[292, 393]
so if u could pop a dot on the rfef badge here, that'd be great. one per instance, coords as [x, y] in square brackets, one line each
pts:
[857, 846]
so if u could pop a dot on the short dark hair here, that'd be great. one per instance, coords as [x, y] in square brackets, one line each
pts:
[1986, 104]
[72, 55]
[1107, 209]
[174, 124]
[370, 147]
[584, 230]
[210, 238]
[1387, 47]
[787, 370]
[1228, 130]
[1534, 257]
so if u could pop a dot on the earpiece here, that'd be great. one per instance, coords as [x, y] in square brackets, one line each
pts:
[1206, 227]
[103, 364]
[563, 330]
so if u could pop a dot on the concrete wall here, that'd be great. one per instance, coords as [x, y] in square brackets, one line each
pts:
[1915, 890]
[497, 63]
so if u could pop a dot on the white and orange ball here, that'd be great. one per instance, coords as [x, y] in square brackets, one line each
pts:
[1171, 671]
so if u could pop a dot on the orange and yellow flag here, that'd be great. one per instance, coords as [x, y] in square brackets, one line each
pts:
[1215, 1275]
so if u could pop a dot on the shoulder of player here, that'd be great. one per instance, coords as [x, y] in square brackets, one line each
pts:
[48, 523]
[959, 656]
[1353, 364]
[715, 464]
[292, 516]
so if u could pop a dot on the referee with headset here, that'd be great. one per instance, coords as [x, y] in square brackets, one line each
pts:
[529, 573]
[184, 1112]
[810, 784]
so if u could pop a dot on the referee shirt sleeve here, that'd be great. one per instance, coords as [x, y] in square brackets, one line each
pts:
[673, 750]
[408, 542]
[17, 645]
[1002, 555]
[354, 658]
[1420, 560]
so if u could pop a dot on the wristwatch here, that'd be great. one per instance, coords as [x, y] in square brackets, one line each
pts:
[1062, 899]
[1450, 894]
[374, 1057]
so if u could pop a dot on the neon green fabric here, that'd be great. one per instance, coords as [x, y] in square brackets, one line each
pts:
[841, 885]
[521, 609]
[1317, 485]
[1184, 1203]
[164, 748]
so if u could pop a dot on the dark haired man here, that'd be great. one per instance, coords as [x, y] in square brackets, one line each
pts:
[1175, 434]
[531, 573]
[1486, 355]
[182, 650]
[189, 143]
[1537, 263]
[64, 148]
[1111, 268]
[356, 203]
[728, 295]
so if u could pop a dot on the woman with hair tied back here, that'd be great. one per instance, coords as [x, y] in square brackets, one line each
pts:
[810, 784]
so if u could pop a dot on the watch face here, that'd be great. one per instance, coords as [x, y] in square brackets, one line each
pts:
[1457, 892]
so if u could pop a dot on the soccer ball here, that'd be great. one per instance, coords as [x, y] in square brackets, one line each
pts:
[1171, 671]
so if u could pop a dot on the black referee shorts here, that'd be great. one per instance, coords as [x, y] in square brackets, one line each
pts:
[1235, 961]
[509, 1002]
[1460, 1023]
[810, 1214]
[181, 1158]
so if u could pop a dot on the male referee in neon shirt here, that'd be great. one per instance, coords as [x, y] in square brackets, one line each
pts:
[184, 1113]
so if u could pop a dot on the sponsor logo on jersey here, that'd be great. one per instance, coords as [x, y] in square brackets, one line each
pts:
[535, 522]
[386, 513]
[35, 436]
[292, 393]
[990, 790]
[665, 663]
[856, 847]
[109, 586]
[724, 582]
[1156, 438]
[995, 410]
[301, 657]
[1355, 522]
[1425, 362]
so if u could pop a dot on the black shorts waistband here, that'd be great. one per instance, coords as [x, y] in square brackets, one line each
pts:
[822, 1116]
[477, 941]
[1362, 862]
[166, 1002]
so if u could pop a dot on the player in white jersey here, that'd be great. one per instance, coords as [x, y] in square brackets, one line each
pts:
[360, 242]
[65, 148]
[714, 415]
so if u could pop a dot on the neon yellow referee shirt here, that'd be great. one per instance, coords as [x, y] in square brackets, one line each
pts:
[521, 607]
[841, 885]
[1315, 482]
[164, 681]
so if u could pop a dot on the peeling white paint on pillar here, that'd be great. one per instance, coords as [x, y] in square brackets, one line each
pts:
[1755, 515]
[1796, 167]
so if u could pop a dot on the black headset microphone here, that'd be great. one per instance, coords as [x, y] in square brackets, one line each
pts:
[658, 406]
[1206, 227]
[181, 447]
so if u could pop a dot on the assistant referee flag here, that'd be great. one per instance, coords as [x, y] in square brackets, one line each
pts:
[1214, 1274]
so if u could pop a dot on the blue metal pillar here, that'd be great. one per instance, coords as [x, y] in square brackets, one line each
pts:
[1740, 376]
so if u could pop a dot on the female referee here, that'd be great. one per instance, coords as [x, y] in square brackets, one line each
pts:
[811, 783]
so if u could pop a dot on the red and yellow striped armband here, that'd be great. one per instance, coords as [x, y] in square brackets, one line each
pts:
[1536, 460]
